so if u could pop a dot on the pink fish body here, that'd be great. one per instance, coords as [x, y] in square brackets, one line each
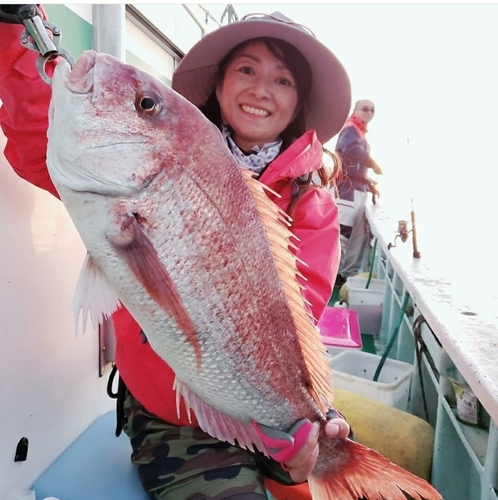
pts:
[198, 253]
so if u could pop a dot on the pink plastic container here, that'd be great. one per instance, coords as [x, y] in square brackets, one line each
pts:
[340, 329]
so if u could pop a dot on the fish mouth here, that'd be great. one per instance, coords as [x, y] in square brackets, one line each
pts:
[80, 79]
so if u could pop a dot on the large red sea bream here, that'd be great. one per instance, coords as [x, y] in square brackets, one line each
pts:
[198, 253]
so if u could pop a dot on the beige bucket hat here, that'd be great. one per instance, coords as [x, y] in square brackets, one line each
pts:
[329, 99]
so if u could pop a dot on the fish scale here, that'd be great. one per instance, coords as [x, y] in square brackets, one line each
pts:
[194, 248]
[210, 269]
[210, 287]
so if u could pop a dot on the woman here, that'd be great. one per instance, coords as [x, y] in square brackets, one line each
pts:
[275, 92]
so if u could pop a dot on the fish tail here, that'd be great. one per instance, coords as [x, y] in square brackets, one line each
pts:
[364, 473]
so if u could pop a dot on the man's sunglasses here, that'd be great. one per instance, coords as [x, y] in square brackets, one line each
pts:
[366, 109]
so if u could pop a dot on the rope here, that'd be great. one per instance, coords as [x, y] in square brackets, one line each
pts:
[372, 259]
[420, 349]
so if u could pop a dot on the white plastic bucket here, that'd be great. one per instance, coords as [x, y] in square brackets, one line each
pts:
[367, 302]
[354, 371]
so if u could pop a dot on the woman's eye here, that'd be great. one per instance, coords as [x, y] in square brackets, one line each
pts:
[247, 70]
[286, 82]
[148, 104]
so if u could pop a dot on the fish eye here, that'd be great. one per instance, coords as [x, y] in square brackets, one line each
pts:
[148, 104]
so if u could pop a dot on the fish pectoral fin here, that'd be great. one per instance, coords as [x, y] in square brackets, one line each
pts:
[93, 296]
[139, 254]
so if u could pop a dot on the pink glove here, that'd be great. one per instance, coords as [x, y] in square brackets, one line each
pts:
[284, 446]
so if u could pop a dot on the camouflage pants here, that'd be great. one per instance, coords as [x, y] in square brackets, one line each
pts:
[185, 463]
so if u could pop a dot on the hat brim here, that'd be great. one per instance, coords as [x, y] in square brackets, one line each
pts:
[329, 99]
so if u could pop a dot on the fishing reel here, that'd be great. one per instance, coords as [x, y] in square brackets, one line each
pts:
[403, 232]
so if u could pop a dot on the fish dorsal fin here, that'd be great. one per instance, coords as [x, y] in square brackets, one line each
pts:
[93, 296]
[276, 223]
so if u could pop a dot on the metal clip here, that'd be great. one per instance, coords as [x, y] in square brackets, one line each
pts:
[35, 37]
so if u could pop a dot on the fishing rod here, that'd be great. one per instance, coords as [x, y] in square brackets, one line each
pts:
[416, 253]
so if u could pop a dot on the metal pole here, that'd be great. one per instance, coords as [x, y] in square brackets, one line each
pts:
[191, 14]
[416, 253]
[109, 24]
[230, 13]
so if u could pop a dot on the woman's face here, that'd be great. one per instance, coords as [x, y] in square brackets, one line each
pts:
[258, 96]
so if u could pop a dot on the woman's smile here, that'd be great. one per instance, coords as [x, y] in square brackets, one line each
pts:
[254, 111]
[258, 96]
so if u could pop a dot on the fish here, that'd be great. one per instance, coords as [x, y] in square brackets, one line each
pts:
[191, 244]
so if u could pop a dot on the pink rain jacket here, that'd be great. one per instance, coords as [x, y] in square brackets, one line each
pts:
[24, 120]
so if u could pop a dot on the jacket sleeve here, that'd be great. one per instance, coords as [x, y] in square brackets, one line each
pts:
[24, 113]
[352, 148]
[316, 224]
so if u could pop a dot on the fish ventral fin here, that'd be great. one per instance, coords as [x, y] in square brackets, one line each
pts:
[216, 423]
[93, 296]
[276, 223]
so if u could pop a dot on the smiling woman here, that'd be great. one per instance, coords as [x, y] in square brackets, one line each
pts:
[260, 87]
[258, 94]
[437, 87]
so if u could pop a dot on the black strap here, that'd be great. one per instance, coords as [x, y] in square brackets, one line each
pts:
[119, 396]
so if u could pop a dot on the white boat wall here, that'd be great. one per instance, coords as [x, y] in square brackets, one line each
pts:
[54, 383]
[50, 387]
[53, 386]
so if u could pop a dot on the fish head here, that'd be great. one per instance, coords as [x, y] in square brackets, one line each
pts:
[114, 127]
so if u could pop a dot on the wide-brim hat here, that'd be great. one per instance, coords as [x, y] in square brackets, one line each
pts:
[329, 98]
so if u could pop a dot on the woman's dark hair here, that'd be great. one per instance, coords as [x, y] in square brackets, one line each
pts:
[297, 65]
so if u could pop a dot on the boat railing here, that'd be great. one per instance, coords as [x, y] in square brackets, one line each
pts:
[456, 374]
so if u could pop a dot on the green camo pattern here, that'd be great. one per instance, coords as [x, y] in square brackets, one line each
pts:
[185, 463]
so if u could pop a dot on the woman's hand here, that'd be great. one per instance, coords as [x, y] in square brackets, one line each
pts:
[302, 464]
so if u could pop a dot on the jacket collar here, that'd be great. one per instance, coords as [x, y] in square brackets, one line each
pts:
[358, 124]
[303, 156]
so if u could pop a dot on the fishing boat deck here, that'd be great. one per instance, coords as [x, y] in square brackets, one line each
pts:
[468, 335]
[461, 333]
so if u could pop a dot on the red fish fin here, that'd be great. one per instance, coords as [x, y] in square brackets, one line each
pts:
[141, 257]
[216, 423]
[367, 474]
[275, 222]
[93, 297]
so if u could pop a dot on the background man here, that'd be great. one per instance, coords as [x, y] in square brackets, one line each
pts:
[353, 188]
